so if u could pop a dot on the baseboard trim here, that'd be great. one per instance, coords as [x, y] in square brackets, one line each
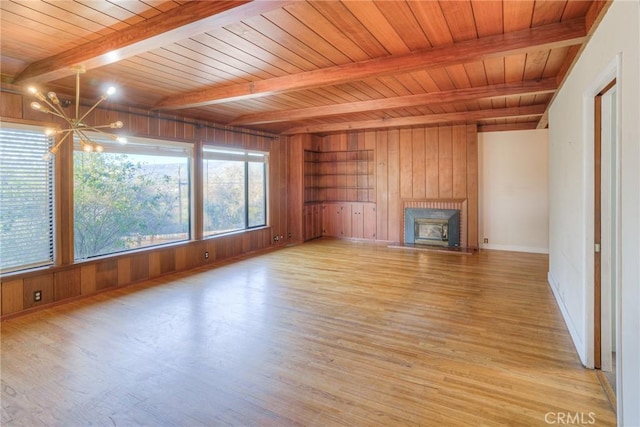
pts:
[608, 390]
[512, 248]
[578, 343]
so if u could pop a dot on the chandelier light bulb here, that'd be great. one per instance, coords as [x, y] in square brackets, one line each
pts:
[35, 92]
[48, 156]
[111, 90]
[98, 148]
[122, 140]
[51, 132]
[116, 125]
[53, 97]
[39, 107]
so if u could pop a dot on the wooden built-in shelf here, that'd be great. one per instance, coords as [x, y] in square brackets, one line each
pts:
[339, 176]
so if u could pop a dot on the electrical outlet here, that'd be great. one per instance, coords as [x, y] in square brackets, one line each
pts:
[276, 238]
[206, 255]
[486, 240]
[37, 296]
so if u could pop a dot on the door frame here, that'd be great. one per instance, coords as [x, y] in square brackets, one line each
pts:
[597, 225]
[585, 341]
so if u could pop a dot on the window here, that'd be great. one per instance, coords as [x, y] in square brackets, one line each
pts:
[256, 197]
[234, 184]
[130, 196]
[26, 198]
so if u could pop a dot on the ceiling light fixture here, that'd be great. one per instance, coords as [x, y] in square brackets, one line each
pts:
[77, 126]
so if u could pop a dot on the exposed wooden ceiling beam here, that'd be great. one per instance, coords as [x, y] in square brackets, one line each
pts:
[596, 12]
[506, 127]
[451, 96]
[540, 38]
[429, 119]
[180, 23]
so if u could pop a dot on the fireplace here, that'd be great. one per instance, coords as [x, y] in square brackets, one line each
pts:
[436, 227]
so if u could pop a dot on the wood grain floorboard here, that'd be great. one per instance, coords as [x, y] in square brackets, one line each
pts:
[329, 333]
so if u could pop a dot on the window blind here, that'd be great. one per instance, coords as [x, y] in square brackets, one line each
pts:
[26, 198]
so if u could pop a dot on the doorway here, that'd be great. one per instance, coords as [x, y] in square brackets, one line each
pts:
[606, 236]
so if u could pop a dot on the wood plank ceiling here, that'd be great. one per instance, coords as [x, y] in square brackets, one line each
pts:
[305, 66]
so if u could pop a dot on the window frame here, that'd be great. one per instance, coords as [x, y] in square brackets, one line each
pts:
[146, 147]
[230, 153]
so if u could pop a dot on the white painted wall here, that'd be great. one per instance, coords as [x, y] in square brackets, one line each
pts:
[513, 190]
[613, 51]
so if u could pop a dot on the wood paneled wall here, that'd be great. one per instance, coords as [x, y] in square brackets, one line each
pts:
[72, 280]
[297, 145]
[419, 164]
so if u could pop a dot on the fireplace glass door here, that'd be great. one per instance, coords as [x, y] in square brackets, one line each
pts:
[431, 231]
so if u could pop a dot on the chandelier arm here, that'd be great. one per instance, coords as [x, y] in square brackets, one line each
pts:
[46, 101]
[54, 149]
[96, 128]
[102, 98]
[83, 135]
[61, 132]
[62, 113]
[54, 109]
[78, 71]
[57, 114]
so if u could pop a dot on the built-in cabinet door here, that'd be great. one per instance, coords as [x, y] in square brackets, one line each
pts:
[332, 219]
[345, 219]
[369, 221]
[357, 221]
[326, 223]
[312, 221]
[308, 222]
[317, 220]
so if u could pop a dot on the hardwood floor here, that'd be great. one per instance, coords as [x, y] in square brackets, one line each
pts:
[321, 334]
